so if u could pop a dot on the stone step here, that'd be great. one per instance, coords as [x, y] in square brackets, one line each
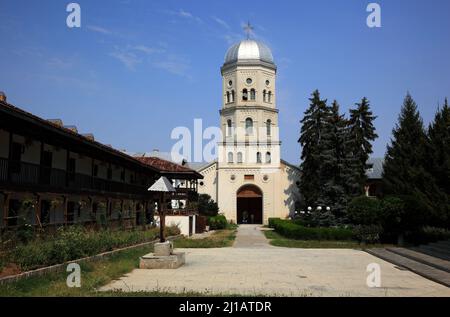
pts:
[433, 251]
[442, 244]
[430, 252]
[421, 269]
[437, 263]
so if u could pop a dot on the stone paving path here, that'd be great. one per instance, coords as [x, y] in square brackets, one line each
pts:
[253, 267]
[250, 236]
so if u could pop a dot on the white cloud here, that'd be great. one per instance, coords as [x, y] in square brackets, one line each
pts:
[147, 50]
[131, 55]
[99, 29]
[221, 22]
[128, 59]
[174, 65]
[59, 63]
[185, 14]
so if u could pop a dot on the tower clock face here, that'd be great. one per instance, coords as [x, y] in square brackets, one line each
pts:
[267, 82]
[230, 83]
[249, 81]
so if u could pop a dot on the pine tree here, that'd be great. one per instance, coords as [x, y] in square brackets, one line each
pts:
[311, 139]
[438, 157]
[404, 172]
[359, 147]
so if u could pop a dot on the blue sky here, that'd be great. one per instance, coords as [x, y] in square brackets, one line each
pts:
[136, 69]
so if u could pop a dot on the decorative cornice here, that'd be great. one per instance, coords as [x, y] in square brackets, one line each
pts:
[229, 66]
[250, 107]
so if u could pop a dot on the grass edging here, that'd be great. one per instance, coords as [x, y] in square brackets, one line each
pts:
[60, 267]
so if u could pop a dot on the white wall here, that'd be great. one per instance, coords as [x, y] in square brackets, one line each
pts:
[181, 221]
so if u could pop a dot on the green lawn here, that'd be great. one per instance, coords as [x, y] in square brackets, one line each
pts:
[279, 241]
[219, 239]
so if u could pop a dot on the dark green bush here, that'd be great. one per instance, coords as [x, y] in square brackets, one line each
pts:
[368, 233]
[217, 222]
[291, 230]
[206, 206]
[364, 211]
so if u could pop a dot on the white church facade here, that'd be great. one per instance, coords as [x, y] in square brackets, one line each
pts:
[249, 180]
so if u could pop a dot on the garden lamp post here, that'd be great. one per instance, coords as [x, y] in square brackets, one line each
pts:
[162, 186]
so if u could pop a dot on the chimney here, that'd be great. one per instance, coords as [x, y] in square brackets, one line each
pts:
[57, 122]
[89, 136]
[71, 128]
[2, 96]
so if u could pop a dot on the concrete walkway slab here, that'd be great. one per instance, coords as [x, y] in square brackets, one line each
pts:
[250, 236]
[253, 267]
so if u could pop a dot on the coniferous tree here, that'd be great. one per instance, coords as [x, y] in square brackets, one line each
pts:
[359, 147]
[313, 128]
[404, 172]
[438, 157]
[334, 167]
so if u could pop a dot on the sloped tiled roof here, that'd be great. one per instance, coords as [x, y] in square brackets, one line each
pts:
[375, 170]
[165, 166]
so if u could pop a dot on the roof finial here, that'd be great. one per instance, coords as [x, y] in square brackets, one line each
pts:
[248, 29]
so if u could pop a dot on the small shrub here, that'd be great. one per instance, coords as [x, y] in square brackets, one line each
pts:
[368, 234]
[217, 222]
[364, 211]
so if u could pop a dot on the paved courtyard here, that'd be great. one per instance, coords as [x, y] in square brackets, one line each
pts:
[253, 267]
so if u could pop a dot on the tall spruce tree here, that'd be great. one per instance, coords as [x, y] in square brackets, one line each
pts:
[334, 167]
[438, 157]
[313, 130]
[404, 172]
[361, 132]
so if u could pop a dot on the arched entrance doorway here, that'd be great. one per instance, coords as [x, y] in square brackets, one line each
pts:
[249, 205]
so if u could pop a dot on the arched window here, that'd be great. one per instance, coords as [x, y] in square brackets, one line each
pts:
[245, 94]
[232, 96]
[268, 157]
[268, 127]
[229, 127]
[252, 94]
[228, 97]
[239, 157]
[269, 97]
[264, 95]
[248, 126]
[230, 157]
[258, 157]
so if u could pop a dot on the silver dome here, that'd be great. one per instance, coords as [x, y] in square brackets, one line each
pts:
[249, 50]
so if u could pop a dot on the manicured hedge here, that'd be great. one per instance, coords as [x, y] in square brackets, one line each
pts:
[294, 231]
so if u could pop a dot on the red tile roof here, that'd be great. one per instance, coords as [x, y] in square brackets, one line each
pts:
[163, 165]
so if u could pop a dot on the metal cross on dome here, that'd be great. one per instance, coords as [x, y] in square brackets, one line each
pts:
[248, 28]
